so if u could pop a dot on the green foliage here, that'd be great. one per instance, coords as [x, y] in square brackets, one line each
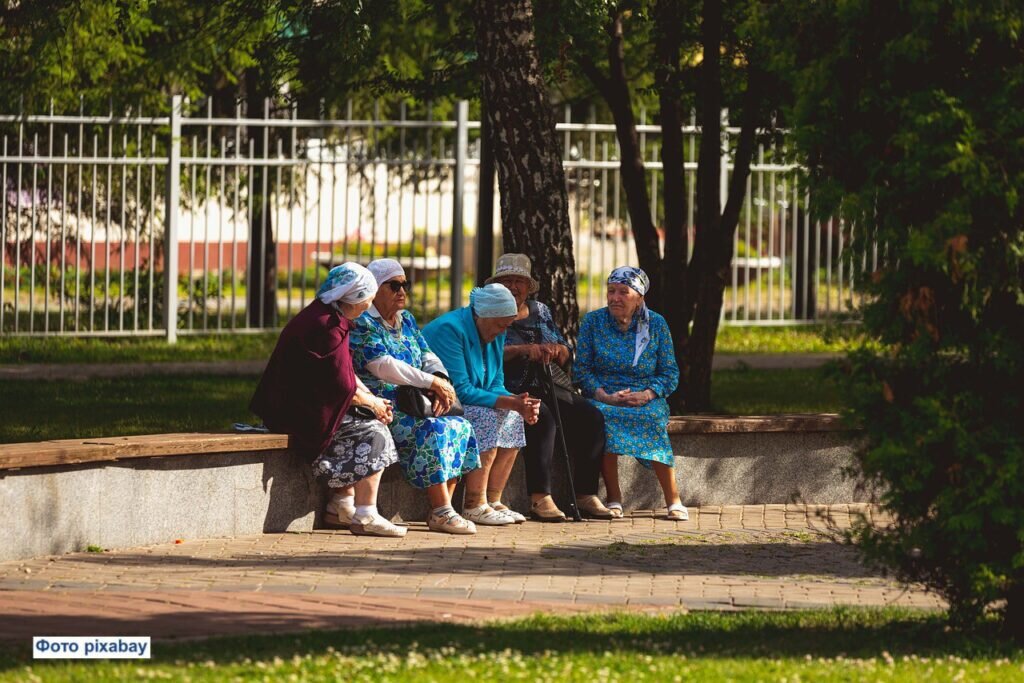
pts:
[126, 53]
[908, 118]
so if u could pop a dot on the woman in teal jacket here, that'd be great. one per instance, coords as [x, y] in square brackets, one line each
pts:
[470, 343]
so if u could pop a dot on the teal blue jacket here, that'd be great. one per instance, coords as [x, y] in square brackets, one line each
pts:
[476, 369]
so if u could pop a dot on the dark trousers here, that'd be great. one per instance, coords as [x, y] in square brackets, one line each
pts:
[584, 435]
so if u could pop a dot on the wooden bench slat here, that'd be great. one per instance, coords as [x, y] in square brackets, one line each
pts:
[106, 449]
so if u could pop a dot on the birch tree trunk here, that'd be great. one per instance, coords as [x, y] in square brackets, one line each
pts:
[534, 202]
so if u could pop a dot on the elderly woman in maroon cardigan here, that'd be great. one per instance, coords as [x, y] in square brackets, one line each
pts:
[309, 390]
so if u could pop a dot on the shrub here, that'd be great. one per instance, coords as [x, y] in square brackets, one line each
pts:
[903, 117]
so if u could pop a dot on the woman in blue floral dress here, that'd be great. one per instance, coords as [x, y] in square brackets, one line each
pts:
[626, 366]
[388, 350]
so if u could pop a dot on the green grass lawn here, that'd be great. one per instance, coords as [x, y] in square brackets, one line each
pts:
[836, 645]
[803, 339]
[766, 392]
[36, 411]
[135, 350]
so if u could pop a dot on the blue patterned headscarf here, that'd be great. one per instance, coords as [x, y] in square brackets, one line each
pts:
[348, 283]
[637, 280]
[493, 301]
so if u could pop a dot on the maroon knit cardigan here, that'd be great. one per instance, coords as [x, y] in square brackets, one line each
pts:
[309, 381]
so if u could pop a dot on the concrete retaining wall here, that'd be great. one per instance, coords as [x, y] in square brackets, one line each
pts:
[58, 509]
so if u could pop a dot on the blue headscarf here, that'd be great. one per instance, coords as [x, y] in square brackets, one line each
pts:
[636, 279]
[349, 283]
[632, 277]
[493, 301]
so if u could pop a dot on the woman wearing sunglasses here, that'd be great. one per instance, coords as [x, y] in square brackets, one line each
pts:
[389, 351]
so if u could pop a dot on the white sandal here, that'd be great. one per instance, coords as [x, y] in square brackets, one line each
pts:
[376, 525]
[487, 516]
[498, 506]
[450, 523]
[339, 516]
[615, 508]
[677, 512]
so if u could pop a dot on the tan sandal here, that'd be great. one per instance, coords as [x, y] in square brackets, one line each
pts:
[545, 510]
[592, 508]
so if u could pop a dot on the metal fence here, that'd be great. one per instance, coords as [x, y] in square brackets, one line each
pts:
[112, 224]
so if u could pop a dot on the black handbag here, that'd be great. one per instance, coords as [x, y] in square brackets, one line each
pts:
[561, 380]
[560, 383]
[415, 402]
[362, 412]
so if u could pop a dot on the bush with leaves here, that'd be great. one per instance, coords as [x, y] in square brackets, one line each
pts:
[909, 117]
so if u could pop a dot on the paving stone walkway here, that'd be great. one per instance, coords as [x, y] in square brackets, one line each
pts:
[724, 558]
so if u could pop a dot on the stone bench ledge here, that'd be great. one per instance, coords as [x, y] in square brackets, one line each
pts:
[748, 424]
[108, 449]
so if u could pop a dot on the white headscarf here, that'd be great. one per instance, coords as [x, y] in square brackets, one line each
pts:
[348, 283]
[385, 269]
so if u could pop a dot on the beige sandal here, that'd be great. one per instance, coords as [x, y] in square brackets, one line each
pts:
[615, 508]
[593, 508]
[545, 510]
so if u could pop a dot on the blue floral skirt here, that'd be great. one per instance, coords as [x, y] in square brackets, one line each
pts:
[358, 449]
[496, 428]
[640, 432]
[435, 449]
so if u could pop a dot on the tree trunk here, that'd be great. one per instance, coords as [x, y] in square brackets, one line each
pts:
[534, 202]
[261, 277]
[713, 251]
[697, 355]
[614, 88]
[1013, 621]
[668, 26]
[485, 203]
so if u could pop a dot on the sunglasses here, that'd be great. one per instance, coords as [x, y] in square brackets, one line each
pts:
[395, 285]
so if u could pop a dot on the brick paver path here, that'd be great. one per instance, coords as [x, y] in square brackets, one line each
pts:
[724, 558]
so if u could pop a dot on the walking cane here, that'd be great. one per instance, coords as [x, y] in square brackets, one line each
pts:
[561, 439]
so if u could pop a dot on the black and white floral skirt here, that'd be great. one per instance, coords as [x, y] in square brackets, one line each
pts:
[358, 449]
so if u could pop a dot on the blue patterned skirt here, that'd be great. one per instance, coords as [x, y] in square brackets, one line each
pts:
[358, 448]
[435, 449]
[640, 432]
[496, 428]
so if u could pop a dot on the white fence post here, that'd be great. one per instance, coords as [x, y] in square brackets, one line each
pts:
[461, 152]
[171, 223]
[723, 185]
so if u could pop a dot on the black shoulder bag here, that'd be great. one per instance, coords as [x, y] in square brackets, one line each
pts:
[416, 402]
[561, 380]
